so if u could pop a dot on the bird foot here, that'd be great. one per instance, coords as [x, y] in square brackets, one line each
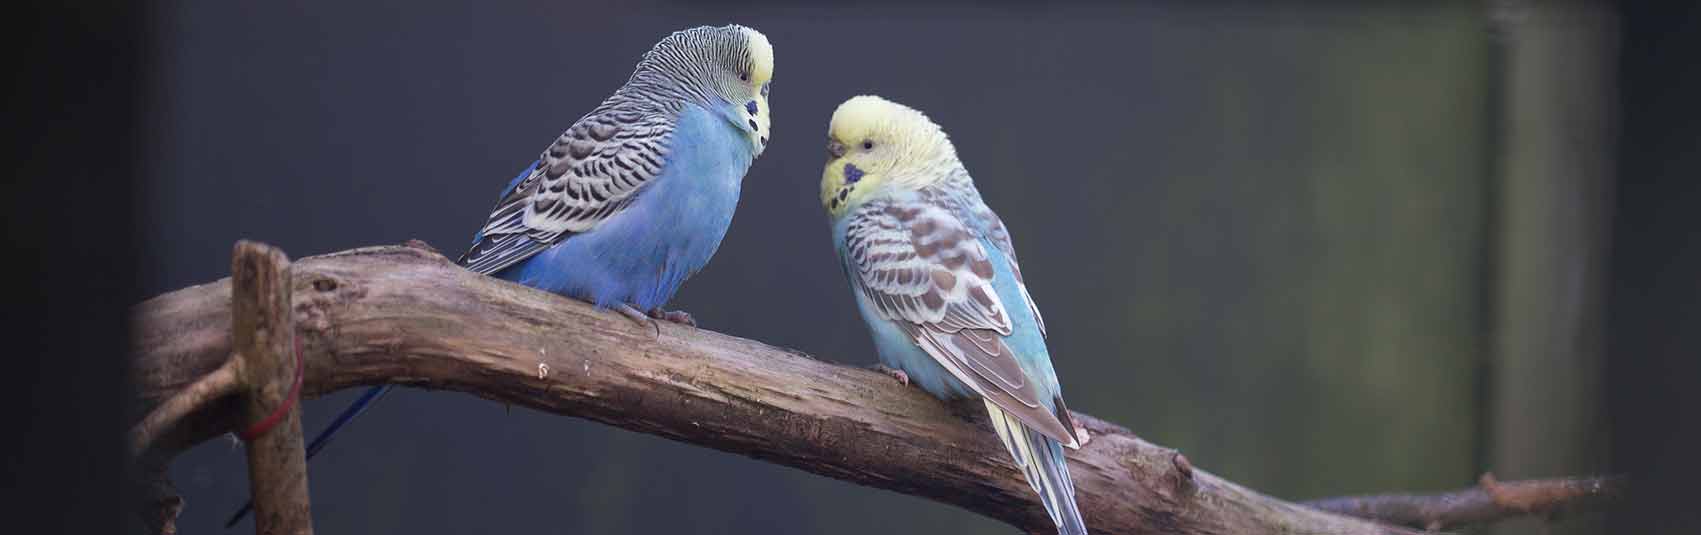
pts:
[903, 378]
[676, 316]
[639, 317]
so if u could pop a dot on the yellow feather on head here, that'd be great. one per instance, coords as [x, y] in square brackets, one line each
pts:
[873, 143]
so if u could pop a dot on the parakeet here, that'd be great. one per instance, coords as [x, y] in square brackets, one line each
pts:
[935, 277]
[634, 197]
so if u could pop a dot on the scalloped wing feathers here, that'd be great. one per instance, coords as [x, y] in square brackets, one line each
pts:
[590, 173]
[969, 207]
[920, 266]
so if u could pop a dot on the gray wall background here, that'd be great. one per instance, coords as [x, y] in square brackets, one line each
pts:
[1269, 237]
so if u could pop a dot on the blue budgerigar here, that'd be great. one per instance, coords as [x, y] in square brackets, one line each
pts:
[634, 197]
[935, 277]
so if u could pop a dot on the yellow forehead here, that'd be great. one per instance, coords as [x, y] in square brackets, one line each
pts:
[761, 55]
[872, 117]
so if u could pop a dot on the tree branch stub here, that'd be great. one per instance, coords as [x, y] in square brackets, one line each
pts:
[263, 336]
[1490, 500]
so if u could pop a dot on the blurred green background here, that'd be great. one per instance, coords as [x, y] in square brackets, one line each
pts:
[1322, 251]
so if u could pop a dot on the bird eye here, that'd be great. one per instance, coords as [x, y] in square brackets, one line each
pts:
[744, 76]
[867, 145]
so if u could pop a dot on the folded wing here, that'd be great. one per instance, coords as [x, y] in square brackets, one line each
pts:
[921, 267]
[589, 174]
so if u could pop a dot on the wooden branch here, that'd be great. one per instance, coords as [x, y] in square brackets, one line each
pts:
[407, 315]
[262, 328]
[1490, 500]
[218, 384]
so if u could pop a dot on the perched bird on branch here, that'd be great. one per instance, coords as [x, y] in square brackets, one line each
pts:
[935, 277]
[634, 197]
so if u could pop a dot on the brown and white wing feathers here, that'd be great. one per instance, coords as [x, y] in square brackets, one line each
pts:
[921, 267]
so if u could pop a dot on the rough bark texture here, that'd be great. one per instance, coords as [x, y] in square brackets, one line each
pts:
[407, 315]
[263, 332]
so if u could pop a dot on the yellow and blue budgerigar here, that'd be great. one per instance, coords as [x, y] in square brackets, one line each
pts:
[935, 277]
[635, 196]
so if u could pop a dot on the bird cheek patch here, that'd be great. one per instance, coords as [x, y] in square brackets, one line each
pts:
[750, 107]
[852, 174]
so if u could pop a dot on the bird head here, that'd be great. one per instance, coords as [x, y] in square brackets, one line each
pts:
[729, 67]
[873, 144]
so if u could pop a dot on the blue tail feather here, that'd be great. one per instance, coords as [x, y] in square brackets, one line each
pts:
[319, 442]
[1056, 467]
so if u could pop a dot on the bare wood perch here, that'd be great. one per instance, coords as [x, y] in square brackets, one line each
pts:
[1490, 500]
[407, 315]
[263, 328]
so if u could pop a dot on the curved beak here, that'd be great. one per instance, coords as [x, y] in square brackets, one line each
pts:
[835, 150]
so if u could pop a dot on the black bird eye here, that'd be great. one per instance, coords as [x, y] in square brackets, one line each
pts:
[744, 76]
[867, 145]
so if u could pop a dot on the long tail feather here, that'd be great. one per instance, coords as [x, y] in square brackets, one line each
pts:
[1041, 460]
[324, 438]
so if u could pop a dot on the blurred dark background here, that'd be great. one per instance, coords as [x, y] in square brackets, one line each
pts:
[1322, 250]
